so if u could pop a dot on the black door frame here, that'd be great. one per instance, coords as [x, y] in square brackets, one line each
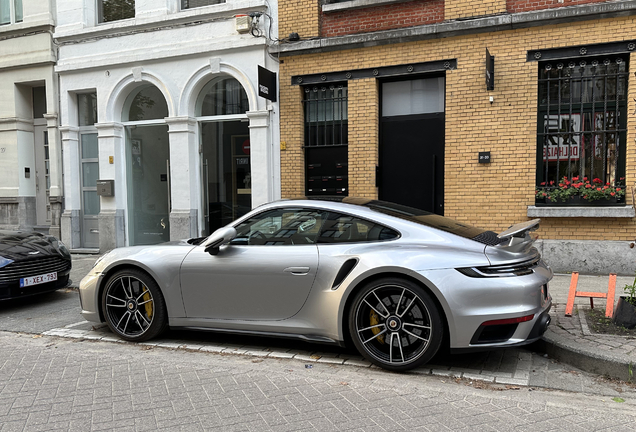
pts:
[438, 204]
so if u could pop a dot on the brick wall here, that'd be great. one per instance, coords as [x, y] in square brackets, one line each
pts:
[407, 14]
[299, 16]
[292, 140]
[470, 8]
[363, 137]
[491, 196]
[530, 5]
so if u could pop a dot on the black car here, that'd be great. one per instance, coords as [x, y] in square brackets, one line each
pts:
[32, 263]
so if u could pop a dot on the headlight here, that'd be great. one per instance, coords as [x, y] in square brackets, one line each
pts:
[62, 248]
[4, 261]
[100, 259]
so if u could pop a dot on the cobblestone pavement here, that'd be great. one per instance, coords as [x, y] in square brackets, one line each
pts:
[49, 383]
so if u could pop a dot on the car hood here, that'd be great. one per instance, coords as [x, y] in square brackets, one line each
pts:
[19, 245]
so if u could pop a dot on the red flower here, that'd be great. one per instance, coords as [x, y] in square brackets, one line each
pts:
[598, 189]
[597, 180]
[618, 189]
[542, 183]
[575, 178]
[544, 194]
[585, 178]
[607, 183]
[612, 194]
[584, 196]
[551, 182]
[587, 186]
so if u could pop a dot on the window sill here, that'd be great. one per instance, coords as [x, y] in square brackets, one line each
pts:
[587, 212]
[356, 4]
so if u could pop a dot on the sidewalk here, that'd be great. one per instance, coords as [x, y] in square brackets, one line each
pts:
[570, 340]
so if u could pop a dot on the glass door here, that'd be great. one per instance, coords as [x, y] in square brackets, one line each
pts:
[148, 182]
[226, 172]
[90, 200]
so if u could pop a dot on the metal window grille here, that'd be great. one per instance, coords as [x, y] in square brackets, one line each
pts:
[582, 120]
[326, 117]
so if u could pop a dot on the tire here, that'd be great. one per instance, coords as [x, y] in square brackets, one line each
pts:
[133, 306]
[395, 324]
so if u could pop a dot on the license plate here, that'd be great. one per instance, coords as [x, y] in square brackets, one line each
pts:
[36, 280]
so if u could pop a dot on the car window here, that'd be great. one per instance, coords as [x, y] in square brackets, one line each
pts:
[341, 228]
[280, 227]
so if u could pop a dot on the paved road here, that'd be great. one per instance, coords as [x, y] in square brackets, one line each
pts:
[59, 314]
[49, 383]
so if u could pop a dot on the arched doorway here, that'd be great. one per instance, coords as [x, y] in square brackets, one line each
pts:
[225, 152]
[147, 166]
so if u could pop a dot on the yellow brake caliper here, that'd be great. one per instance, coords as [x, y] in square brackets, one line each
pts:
[375, 320]
[148, 305]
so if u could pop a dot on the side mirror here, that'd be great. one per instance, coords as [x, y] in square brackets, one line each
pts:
[218, 238]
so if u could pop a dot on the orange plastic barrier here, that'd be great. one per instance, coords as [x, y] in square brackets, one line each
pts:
[611, 287]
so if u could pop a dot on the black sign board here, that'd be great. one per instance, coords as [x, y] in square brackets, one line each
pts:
[490, 71]
[484, 157]
[267, 84]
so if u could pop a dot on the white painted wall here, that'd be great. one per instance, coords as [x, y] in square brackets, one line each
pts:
[163, 46]
[25, 61]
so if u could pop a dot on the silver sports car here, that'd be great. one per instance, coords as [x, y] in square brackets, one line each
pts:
[393, 280]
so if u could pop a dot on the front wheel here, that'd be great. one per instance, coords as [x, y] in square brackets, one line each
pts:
[395, 324]
[133, 306]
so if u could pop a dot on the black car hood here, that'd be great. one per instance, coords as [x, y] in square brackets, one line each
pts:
[20, 245]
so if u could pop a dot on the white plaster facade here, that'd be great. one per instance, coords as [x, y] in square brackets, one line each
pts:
[30, 189]
[178, 52]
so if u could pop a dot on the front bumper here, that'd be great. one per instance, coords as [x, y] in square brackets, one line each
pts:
[13, 290]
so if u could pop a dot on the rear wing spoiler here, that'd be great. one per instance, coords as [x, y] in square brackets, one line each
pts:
[520, 230]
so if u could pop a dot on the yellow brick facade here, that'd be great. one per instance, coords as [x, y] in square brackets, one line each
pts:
[491, 196]
[298, 16]
[454, 9]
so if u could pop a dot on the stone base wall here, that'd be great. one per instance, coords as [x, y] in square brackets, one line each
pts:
[589, 257]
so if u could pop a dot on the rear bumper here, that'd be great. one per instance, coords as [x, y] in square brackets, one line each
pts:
[472, 304]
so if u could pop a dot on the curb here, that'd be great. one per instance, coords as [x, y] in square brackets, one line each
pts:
[518, 378]
[564, 350]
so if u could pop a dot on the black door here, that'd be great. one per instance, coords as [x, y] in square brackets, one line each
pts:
[411, 170]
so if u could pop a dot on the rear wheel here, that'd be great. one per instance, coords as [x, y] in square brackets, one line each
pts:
[395, 324]
[133, 306]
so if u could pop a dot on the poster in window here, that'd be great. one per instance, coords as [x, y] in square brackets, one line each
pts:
[563, 137]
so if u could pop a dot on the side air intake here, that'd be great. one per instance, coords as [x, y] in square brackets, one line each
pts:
[344, 271]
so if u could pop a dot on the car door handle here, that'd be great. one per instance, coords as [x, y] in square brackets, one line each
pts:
[297, 270]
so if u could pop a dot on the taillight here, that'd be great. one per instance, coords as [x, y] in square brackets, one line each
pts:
[509, 321]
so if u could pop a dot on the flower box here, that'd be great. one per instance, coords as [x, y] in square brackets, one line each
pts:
[577, 192]
[579, 201]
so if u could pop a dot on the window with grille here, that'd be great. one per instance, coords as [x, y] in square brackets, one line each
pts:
[582, 129]
[326, 139]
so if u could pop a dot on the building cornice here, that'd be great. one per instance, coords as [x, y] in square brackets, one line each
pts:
[452, 28]
[221, 12]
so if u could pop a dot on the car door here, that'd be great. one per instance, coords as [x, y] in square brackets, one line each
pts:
[265, 273]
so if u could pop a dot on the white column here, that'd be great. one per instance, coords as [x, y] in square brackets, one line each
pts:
[262, 158]
[185, 181]
[70, 222]
[56, 192]
[112, 166]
